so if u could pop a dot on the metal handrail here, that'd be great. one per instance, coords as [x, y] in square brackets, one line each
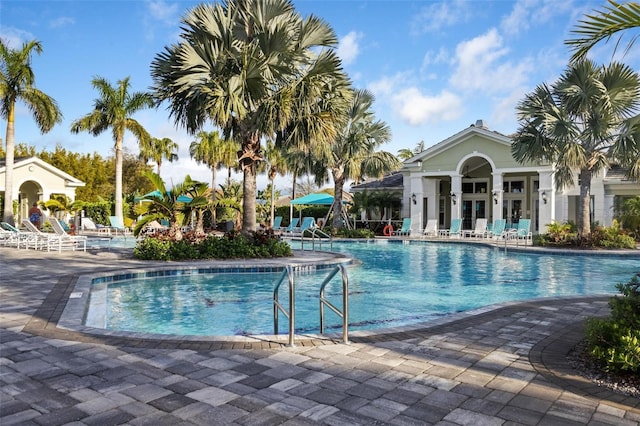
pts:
[344, 314]
[315, 231]
[277, 306]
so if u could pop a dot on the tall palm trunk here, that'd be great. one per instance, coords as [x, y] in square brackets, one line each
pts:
[249, 155]
[118, 194]
[214, 215]
[339, 180]
[8, 174]
[584, 212]
[272, 178]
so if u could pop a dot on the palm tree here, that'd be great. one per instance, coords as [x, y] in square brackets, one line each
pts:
[114, 109]
[167, 204]
[251, 67]
[159, 149]
[354, 155]
[603, 25]
[200, 202]
[276, 164]
[579, 123]
[406, 153]
[17, 84]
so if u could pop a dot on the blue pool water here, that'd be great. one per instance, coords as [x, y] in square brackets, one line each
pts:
[396, 284]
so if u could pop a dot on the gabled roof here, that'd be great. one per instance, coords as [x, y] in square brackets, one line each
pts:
[392, 181]
[26, 161]
[478, 128]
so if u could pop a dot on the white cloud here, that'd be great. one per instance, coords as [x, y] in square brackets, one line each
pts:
[479, 67]
[349, 48]
[14, 38]
[436, 16]
[417, 108]
[528, 13]
[63, 21]
[163, 11]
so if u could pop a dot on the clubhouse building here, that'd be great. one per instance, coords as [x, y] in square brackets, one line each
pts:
[472, 175]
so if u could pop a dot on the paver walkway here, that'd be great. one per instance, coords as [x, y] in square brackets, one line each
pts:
[500, 366]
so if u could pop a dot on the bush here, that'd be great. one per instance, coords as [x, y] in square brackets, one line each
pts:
[355, 233]
[233, 245]
[615, 341]
[565, 234]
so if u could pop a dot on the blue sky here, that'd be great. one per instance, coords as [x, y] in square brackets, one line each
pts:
[434, 67]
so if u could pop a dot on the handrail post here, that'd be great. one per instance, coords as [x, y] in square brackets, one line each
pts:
[277, 306]
[344, 314]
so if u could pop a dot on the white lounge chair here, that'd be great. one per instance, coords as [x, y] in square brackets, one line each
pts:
[87, 224]
[431, 230]
[480, 229]
[80, 240]
[48, 240]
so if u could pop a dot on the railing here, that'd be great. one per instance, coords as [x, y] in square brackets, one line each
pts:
[289, 313]
[344, 314]
[277, 306]
[317, 234]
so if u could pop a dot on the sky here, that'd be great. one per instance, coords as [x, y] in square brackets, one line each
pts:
[434, 67]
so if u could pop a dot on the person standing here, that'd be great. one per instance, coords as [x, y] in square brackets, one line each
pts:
[35, 215]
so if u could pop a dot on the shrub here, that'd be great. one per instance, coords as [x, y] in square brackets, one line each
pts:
[355, 233]
[260, 244]
[615, 341]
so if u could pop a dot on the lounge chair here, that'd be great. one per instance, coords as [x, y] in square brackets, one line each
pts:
[50, 241]
[87, 224]
[454, 230]
[522, 232]
[480, 229]
[293, 225]
[80, 240]
[431, 230]
[307, 223]
[277, 222]
[405, 229]
[498, 228]
[118, 226]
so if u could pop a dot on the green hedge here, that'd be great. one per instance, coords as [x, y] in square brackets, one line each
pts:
[615, 341]
[233, 245]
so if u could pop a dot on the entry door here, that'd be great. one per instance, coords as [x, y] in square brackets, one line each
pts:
[472, 210]
[512, 211]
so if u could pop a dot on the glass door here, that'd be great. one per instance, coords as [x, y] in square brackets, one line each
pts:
[512, 211]
[472, 210]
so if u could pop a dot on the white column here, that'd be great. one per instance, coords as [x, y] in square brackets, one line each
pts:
[496, 195]
[546, 200]
[456, 196]
[415, 203]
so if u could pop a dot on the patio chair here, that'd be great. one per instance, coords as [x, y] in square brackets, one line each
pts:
[48, 240]
[293, 225]
[87, 224]
[431, 230]
[454, 230]
[498, 228]
[118, 226]
[277, 222]
[480, 229]
[80, 240]
[405, 229]
[522, 232]
[307, 223]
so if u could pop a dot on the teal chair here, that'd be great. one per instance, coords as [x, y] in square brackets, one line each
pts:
[455, 230]
[118, 226]
[405, 229]
[307, 223]
[292, 226]
[498, 229]
[523, 231]
[277, 222]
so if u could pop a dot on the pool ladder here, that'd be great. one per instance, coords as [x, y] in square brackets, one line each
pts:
[319, 235]
[289, 313]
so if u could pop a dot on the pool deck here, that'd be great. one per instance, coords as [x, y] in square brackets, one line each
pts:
[503, 365]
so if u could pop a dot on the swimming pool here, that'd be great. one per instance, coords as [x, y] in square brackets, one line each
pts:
[397, 284]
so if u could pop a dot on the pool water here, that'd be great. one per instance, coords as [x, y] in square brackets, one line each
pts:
[395, 285]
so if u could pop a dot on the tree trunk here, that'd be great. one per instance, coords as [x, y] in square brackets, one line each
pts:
[293, 194]
[338, 179]
[118, 196]
[214, 216]
[249, 154]
[8, 174]
[584, 211]
[272, 178]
